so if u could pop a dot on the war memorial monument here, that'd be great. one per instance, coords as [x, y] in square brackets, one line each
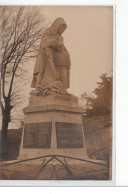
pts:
[52, 122]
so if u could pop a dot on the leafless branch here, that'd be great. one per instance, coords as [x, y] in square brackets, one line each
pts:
[21, 31]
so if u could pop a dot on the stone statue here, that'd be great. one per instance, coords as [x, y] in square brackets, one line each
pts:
[52, 67]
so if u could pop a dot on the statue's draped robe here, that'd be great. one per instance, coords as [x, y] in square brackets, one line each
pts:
[44, 71]
[62, 64]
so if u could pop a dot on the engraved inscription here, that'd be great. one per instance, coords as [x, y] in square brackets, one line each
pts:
[37, 135]
[30, 135]
[69, 135]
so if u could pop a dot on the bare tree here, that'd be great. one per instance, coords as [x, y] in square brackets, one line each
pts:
[21, 30]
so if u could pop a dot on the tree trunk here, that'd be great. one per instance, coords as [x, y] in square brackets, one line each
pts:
[5, 122]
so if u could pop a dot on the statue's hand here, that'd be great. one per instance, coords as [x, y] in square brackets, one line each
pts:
[48, 53]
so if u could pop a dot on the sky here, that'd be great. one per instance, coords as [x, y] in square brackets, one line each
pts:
[89, 41]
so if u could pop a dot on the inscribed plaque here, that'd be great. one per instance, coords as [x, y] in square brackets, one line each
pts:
[37, 135]
[69, 135]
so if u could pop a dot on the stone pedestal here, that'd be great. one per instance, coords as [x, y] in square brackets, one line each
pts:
[53, 125]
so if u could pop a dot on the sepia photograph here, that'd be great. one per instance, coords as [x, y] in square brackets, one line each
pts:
[56, 93]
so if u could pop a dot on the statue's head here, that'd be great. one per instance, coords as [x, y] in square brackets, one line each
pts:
[58, 26]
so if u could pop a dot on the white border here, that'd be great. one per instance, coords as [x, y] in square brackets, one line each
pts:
[83, 182]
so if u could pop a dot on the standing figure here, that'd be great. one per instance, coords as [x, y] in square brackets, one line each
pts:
[53, 60]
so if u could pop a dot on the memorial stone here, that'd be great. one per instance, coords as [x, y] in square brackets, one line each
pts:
[52, 123]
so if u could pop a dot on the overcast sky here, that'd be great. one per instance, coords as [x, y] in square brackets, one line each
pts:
[89, 40]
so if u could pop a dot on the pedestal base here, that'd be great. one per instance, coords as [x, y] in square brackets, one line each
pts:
[53, 129]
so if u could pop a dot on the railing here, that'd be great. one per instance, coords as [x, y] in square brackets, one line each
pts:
[57, 167]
